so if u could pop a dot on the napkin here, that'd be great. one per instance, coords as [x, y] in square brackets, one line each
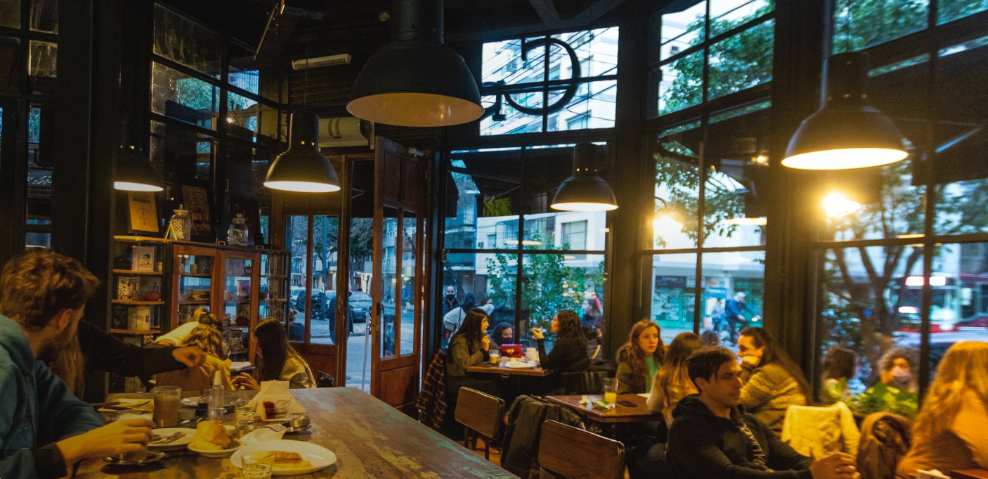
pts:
[275, 391]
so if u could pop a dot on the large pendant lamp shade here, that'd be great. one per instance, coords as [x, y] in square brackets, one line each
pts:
[846, 132]
[302, 167]
[585, 190]
[135, 173]
[415, 80]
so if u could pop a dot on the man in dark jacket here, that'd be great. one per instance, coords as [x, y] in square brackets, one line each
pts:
[711, 437]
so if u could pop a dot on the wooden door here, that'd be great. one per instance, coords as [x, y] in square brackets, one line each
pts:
[236, 296]
[398, 282]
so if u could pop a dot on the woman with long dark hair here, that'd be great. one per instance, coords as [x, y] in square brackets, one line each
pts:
[772, 380]
[640, 358]
[278, 359]
[673, 382]
[469, 346]
[569, 353]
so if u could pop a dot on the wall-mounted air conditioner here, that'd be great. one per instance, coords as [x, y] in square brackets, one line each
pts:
[345, 132]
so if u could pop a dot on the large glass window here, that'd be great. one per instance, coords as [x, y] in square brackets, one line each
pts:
[892, 280]
[566, 81]
[691, 68]
[509, 253]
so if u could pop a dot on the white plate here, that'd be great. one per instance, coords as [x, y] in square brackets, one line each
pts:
[318, 456]
[216, 453]
[518, 365]
[179, 443]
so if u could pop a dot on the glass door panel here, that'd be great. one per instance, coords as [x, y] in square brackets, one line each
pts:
[389, 276]
[195, 282]
[237, 284]
[325, 231]
[298, 246]
[409, 298]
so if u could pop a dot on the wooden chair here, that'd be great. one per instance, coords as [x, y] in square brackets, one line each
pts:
[573, 453]
[480, 413]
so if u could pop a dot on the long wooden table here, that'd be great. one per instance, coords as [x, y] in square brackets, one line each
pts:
[503, 371]
[969, 474]
[369, 437]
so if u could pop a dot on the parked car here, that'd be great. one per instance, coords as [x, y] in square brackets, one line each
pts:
[360, 303]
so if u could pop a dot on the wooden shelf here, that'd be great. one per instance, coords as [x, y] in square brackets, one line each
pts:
[127, 272]
[135, 332]
[197, 275]
[129, 302]
[139, 239]
[195, 301]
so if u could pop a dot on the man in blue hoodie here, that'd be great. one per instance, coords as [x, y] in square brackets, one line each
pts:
[44, 428]
[712, 437]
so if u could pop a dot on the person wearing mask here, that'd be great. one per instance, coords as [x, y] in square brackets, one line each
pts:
[772, 380]
[734, 311]
[453, 319]
[569, 352]
[449, 300]
[278, 359]
[504, 334]
[838, 371]
[673, 383]
[44, 428]
[951, 431]
[712, 438]
[640, 358]
[896, 388]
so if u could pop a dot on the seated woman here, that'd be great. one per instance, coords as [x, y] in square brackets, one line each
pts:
[640, 358]
[673, 382]
[278, 360]
[896, 388]
[771, 379]
[208, 339]
[838, 371]
[569, 353]
[951, 431]
[468, 347]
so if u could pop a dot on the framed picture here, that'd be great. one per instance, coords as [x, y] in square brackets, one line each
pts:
[196, 200]
[142, 258]
[142, 212]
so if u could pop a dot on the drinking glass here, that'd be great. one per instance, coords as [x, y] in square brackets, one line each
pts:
[245, 416]
[252, 467]
[167, 400]
[495, 357]
[610, 392]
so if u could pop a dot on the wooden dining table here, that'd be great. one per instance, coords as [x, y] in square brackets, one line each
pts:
[969, 474]
[500, 370]
[637, 411]
[370, 439]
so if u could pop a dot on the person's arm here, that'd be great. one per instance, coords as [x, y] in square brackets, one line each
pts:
[461, 357]
[104, 352]
[971, 426]
[559, 357]
[656, 397]
[758, 390]
[626, 378]
[15, 460]
[694, 450]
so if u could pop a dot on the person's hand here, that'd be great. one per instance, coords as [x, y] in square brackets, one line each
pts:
[118, 437]
[834, 466]
[190, 356]
[485, 342]
[538, 334]
[245, 381]
[750, 361]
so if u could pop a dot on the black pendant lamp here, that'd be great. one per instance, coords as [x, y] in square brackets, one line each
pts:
[302, 167]
[134, 171]
[585, 190]
[846, 132]
[415, 80]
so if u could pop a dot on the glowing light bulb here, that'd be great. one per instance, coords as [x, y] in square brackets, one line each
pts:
[836, 205]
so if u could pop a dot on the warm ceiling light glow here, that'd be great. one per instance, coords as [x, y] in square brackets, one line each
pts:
[846, 132]
[301, 186]
[760, 159]
[836, 205]
[845, 158]
[584, 207]
[584, 190]
[132, 186]
[746, 221]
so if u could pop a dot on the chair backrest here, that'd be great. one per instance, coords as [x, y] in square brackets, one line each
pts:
[885, 439]
[480, 412]
[810, 430]
[583, 382]
[574, 453]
